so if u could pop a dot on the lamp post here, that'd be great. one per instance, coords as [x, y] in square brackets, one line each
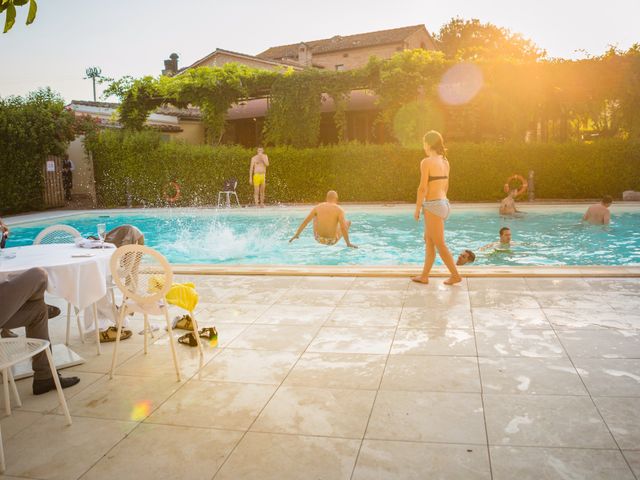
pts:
[93, 73]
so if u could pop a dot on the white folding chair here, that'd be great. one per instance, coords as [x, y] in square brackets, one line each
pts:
[16, 350]
[229, 189]
[144, 277]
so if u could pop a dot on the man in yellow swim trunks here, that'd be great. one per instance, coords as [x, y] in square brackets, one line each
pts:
[257, 176]
[329, 222]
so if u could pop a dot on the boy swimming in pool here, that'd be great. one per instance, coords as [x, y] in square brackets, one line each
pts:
[329, 223]
[257, 176]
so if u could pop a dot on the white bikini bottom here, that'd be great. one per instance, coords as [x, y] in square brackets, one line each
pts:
[439, 207]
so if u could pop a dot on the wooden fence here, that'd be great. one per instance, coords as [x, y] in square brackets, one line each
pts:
[53, 189]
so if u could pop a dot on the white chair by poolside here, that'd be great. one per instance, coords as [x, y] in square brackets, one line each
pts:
[144, 277]
[16, 350]
[67, 234]
[62, 234]
[229, 189]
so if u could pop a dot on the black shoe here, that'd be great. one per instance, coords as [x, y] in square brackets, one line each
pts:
[52, 311]
[46, 385]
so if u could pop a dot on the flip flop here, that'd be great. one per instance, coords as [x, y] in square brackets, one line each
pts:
[183, 323]
[210, 333]
[188, 339]
[110, 334]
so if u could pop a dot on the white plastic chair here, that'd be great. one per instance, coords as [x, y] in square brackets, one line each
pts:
[16, 350]
[144, 277]
[229, 189]
[67, 234]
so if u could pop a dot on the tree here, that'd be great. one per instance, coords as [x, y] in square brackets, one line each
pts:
[10, 7]
[472, 40]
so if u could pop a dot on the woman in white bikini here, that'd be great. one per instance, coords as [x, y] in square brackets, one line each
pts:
[432, 199]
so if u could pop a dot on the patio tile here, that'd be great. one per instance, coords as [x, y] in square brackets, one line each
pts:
[559, 284]
[446, 341]
[316, 411]
[633, 457]
[427, 417]
[161, 451]
[436, 285]
[431, 374]
[256, 296]
[325, 283]
[216, 313]
[315, 297]
[400, 284]
[585, 319]
[372, 298]
[123, 398]
[250, 366]
[48, 401]
[570, 300]
[284, 338]
[525, 463]
[622, 285]
[610, 377]
[58, 451]
[503, 299]
[345, 316]
[266, 456]
[531, 376]
[158, 362]
[601, 343]
[95, 363]
[502, 284]
[206, 404]
[337, 370]
[440, 299]
[352, 340]
[518, 343]
[227, 333]
[436, 318]
[17, 421]
[622, 415]
[294, 315]
[626, 302]
[546, 421]
[509, 318]
[418, 461]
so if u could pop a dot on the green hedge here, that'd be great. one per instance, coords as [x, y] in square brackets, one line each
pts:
[360, 173]
[30, 129]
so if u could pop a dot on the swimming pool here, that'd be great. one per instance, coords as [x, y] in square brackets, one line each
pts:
[386, 235]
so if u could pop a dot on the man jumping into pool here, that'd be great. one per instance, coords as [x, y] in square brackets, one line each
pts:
[257, 176]
[329, 224]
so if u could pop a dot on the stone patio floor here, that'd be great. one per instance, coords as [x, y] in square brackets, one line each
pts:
[358, 378]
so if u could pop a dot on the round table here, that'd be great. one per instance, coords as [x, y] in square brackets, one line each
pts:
[81, 281]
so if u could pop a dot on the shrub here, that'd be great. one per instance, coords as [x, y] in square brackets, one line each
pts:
[360, 173]
[30, 129]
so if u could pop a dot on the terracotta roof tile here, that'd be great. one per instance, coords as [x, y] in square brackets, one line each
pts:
[381, 37]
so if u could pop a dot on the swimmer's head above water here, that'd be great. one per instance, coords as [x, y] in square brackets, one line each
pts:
[467, 256]
[505, 235]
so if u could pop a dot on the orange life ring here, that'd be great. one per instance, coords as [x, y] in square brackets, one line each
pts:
[523, 184]
[176, 196]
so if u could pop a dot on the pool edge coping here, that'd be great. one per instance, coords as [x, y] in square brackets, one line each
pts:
[404, 271]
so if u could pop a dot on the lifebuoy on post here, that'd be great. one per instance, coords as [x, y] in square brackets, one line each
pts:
[176, 196]
[523, 184]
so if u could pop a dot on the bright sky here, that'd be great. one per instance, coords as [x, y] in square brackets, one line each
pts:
[133, 37]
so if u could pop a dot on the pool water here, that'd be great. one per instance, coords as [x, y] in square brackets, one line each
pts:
[385, 236]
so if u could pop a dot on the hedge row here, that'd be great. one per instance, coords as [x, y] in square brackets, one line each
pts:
[142, 164]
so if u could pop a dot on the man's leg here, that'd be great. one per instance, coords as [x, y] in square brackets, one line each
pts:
[339, 230]
[23, 304]
[256, 194]
[263, 186]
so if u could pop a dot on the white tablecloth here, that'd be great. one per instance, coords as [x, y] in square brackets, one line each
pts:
[79, 280]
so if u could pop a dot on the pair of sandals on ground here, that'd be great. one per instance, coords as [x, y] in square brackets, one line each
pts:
[180, 323]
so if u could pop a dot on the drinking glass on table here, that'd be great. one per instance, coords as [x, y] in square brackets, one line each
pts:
[102, 233]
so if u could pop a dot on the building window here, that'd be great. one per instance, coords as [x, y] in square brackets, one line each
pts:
[339, 68]
[345, 55]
